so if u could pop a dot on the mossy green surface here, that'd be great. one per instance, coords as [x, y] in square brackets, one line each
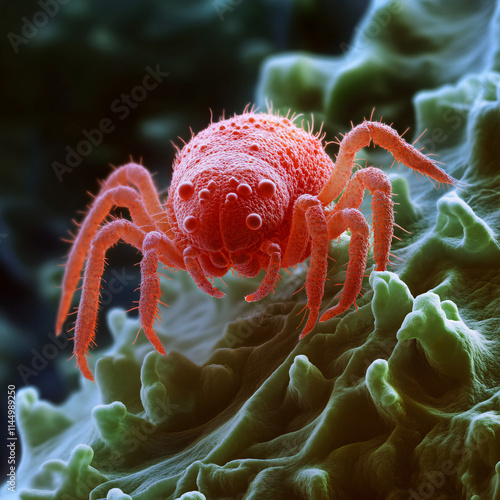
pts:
[397, 399]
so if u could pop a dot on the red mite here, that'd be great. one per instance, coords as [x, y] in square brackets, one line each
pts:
[249, 193]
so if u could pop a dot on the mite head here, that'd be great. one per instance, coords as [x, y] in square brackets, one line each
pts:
[229, 203]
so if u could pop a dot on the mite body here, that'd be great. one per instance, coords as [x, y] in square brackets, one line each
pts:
[249, 193]
[234, 188]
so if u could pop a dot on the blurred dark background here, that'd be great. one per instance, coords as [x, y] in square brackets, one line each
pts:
[68, 65]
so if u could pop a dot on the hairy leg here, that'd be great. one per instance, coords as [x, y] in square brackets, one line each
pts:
[272, 273]
[154, 246]
[194, 269]
[377, 182]
[139, 177]
[338, 222]
[117, 196]
[318, 266]
[309, 224]
[89, 303]
[298, 239]
[385, 137]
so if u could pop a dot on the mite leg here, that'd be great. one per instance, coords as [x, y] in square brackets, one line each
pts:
[309, 222]
[272, 273]
[139, 177]
[338, 222]
[194, 269]
[154, 246]
[385, 137]
[298, 240]
[377, 182]
[89, 303]
[117, 196]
